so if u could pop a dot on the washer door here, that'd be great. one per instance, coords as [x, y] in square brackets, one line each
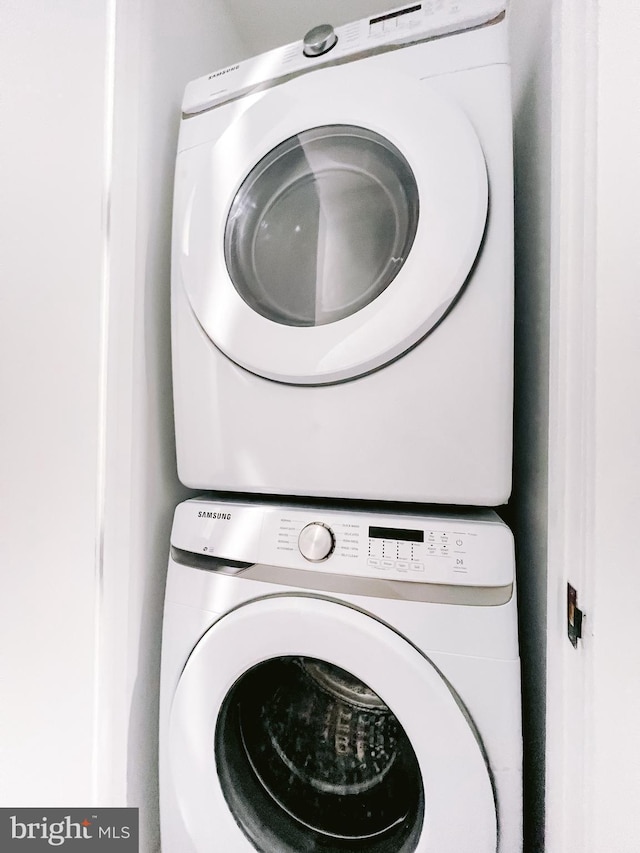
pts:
[331, 225]
[301, 723]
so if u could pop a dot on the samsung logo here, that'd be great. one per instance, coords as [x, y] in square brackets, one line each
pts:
[224, 71]
[225, 516]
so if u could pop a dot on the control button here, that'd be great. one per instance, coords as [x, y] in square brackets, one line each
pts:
[388, 564]
[316, 542]
[416, 567]
[319, 40]
[374, 563]
[402, 566]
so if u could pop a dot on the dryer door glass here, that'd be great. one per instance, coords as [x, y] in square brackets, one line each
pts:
[321, 225]
[321, 752]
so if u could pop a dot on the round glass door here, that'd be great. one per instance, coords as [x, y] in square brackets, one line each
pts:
[317, 751]
[302, 724]
[321, 225]
[326, 227]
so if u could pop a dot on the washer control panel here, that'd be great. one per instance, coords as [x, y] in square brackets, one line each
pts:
[324, 45]
[469, 549]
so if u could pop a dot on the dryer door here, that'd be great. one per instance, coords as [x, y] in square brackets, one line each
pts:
[332, 224]
[300, 724]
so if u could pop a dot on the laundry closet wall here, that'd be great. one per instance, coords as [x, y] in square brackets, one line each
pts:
[52, 154]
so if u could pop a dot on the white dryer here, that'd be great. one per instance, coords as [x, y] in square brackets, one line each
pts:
[339, 681]
[343, 264]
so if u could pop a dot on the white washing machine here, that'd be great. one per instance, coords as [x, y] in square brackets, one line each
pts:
[343, 264]
[339, 681]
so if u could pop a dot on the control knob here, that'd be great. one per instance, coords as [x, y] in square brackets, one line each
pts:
[319, 40]
[316, 542]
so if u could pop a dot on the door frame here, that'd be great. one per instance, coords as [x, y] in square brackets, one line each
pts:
[592, 782]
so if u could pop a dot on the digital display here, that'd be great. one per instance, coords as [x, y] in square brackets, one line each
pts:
[394, 533]
[391, 15]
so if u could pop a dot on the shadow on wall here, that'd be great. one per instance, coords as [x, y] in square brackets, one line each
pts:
[160, 47]
[142, 763]
[531, 61]
[159, 491]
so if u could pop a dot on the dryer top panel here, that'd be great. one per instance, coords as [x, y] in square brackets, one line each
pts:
[460, 549]
[324, 46]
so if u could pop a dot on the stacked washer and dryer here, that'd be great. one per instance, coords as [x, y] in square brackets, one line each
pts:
[340, 666]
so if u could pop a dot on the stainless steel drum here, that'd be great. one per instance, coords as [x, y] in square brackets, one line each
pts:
[328, 749]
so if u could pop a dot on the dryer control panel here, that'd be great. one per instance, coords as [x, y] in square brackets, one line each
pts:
[323, 45]
[469, 549]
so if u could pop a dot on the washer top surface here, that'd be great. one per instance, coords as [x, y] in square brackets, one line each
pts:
[473, 550]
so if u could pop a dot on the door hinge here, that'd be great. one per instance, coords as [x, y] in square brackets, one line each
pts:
[574, 617]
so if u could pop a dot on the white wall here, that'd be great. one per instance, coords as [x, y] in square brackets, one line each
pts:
[158, 48]
[51, 222]
[613, 819]
[264, 24]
